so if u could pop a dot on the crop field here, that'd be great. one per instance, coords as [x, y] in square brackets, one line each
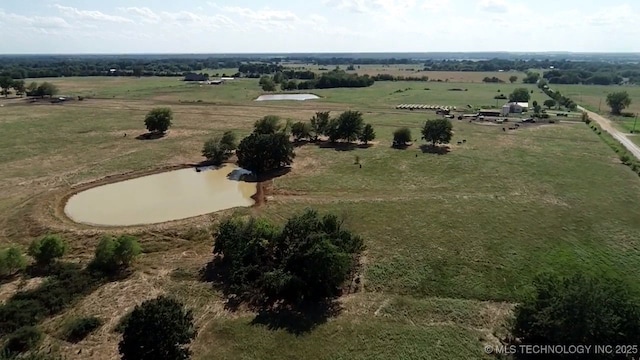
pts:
[452, 241]
[415, 70]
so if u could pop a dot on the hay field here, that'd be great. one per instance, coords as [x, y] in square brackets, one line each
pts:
[453, 240]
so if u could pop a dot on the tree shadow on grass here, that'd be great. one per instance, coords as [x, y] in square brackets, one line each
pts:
[151, 136]
[401, 146]
[430, 149]
[337, 146]
[297, 320]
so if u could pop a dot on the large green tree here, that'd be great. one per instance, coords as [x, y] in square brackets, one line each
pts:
[401, 137]
[46, 89]
[319, 124]
[350, 125]
[549, 103]
[269, 124]
[367, 134]
[261, 153]
[513, 79]
[618, 101]
[5, 84]
[520, 95]
[158, 329]
[159, 120]
[300, 130]
[267, 83]
[438, 131]
[578, 309]
[19, 87]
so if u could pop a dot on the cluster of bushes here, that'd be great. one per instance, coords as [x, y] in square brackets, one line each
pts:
[268, 147]
[219, 149]
[33, 89]
[306, 260]
[332, 79]
[64, 285]
[348, 126]
[492, 79]
[578, 309]
[389, 77]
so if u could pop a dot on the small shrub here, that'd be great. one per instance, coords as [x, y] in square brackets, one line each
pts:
[78, 329]
[599, 132]
[357, 160]
[552, 121]
[625, 159]
[115, 253]
[47, 249]
[11, 261]
[22, 340]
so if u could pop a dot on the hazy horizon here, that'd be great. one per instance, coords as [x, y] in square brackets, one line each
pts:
[70, 27]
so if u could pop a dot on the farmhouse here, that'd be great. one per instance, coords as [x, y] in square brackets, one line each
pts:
[196, 77]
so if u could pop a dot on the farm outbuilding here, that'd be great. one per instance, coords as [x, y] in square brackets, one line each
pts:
[490, 112]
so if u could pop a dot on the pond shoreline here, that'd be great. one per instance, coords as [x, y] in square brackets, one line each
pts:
[61, 197]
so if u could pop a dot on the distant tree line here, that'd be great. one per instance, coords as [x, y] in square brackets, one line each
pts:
[389, 77]
[332, 79]
[22, 67]
[587, 77]
[561, 71]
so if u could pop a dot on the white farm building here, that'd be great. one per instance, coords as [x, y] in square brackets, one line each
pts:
[515, 108]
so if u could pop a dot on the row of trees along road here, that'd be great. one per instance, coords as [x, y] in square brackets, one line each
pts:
[33, 89]
[617, 101]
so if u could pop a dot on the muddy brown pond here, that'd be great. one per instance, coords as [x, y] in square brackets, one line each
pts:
[172, 195]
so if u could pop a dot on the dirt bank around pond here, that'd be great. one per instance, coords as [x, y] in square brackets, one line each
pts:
[45, 213]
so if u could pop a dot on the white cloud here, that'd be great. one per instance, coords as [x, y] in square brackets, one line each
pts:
[356, 6]
[435, 5]
[90, 15]
[496, 6]
[39, 22]
[145, 13]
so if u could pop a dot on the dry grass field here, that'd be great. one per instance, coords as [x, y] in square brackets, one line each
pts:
[452, 240]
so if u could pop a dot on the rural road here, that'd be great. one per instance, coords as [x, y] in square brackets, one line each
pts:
[607, 126]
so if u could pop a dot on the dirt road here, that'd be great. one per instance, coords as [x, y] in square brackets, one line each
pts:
[607, 126]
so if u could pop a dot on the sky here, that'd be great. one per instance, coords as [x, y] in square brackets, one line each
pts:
[279, 26]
